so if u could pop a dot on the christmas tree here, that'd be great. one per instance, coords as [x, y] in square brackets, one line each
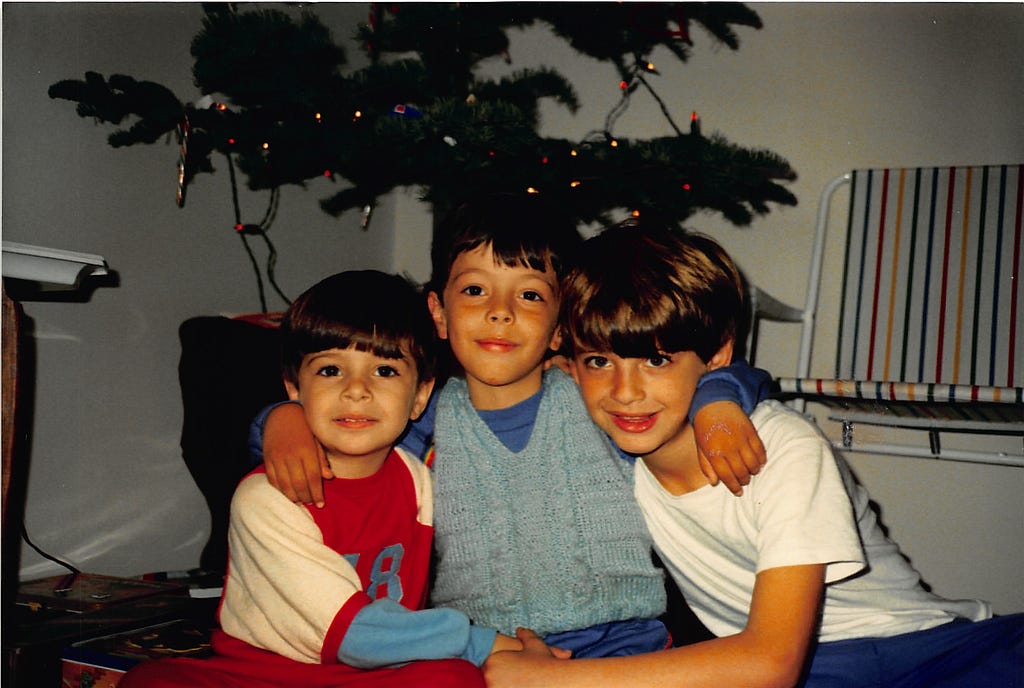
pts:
[278, 103]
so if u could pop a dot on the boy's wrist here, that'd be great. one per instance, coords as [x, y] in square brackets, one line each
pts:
[710, 390]
[256, 428]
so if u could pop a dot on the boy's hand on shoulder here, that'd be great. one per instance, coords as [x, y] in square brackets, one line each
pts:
[728, 445]
[295, 462]
[559, 361]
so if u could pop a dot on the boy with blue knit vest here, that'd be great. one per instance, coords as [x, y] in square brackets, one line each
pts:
[535, 521]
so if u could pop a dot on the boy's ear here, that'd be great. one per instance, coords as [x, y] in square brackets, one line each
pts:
[437, 313]
[722, 357]
[422, 398]
[292, 389]
[556, 339]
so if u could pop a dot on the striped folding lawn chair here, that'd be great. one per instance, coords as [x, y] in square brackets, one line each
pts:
[931, 328]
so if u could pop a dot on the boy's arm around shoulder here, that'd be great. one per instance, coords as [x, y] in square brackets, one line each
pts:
[769, 653]
[280, 439]
[738, 382]
[728, 445]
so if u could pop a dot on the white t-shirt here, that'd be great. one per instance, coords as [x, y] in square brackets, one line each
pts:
[803, 508]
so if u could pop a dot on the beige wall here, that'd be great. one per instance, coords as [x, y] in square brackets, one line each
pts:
[830, 86]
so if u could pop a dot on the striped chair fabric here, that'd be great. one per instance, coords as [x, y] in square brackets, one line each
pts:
[932, 294]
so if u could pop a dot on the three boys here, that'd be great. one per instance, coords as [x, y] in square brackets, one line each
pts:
[535, 523]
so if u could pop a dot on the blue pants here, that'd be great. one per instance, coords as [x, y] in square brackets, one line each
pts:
[613, 639]
[985, 654]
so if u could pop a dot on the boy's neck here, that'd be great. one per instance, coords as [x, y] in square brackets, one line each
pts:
[485, 397]
[676, 465]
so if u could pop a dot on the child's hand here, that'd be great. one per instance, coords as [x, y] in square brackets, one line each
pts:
[728, 445]
[506, 643]
[294, 460]
[558, 361]
[531, 640]
[527, 668]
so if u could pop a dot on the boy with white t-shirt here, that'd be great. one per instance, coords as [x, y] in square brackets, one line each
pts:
[795, 577]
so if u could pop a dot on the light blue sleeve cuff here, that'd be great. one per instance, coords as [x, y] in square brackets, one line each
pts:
[481, 642]
[384, 633]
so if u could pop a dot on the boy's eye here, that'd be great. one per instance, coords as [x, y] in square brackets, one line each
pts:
[473, 290]
[386, 371]
[532, 296]
[329, 371]
[596, 362]
[659, 360]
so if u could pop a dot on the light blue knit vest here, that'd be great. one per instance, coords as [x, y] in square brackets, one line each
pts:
[549, 538]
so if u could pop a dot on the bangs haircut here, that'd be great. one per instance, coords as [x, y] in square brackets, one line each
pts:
[639, 291]
[368, 310]
[521, 229]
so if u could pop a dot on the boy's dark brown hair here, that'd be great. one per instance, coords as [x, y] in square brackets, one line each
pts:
[373, 311]
[522, 230]
[639, 289]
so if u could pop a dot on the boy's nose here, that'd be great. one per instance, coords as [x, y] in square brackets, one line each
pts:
[356, 389]
[499, 311]
[625, 387]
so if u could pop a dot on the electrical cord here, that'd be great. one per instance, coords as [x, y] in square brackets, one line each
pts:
[28, 541]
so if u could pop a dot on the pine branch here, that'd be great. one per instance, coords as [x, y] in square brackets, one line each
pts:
[420, 116]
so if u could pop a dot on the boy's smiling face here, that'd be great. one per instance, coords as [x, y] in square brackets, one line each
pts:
[357, 404]
[641, 403]
[500, 321]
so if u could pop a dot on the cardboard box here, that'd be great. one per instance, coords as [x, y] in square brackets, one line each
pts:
[101, 662]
